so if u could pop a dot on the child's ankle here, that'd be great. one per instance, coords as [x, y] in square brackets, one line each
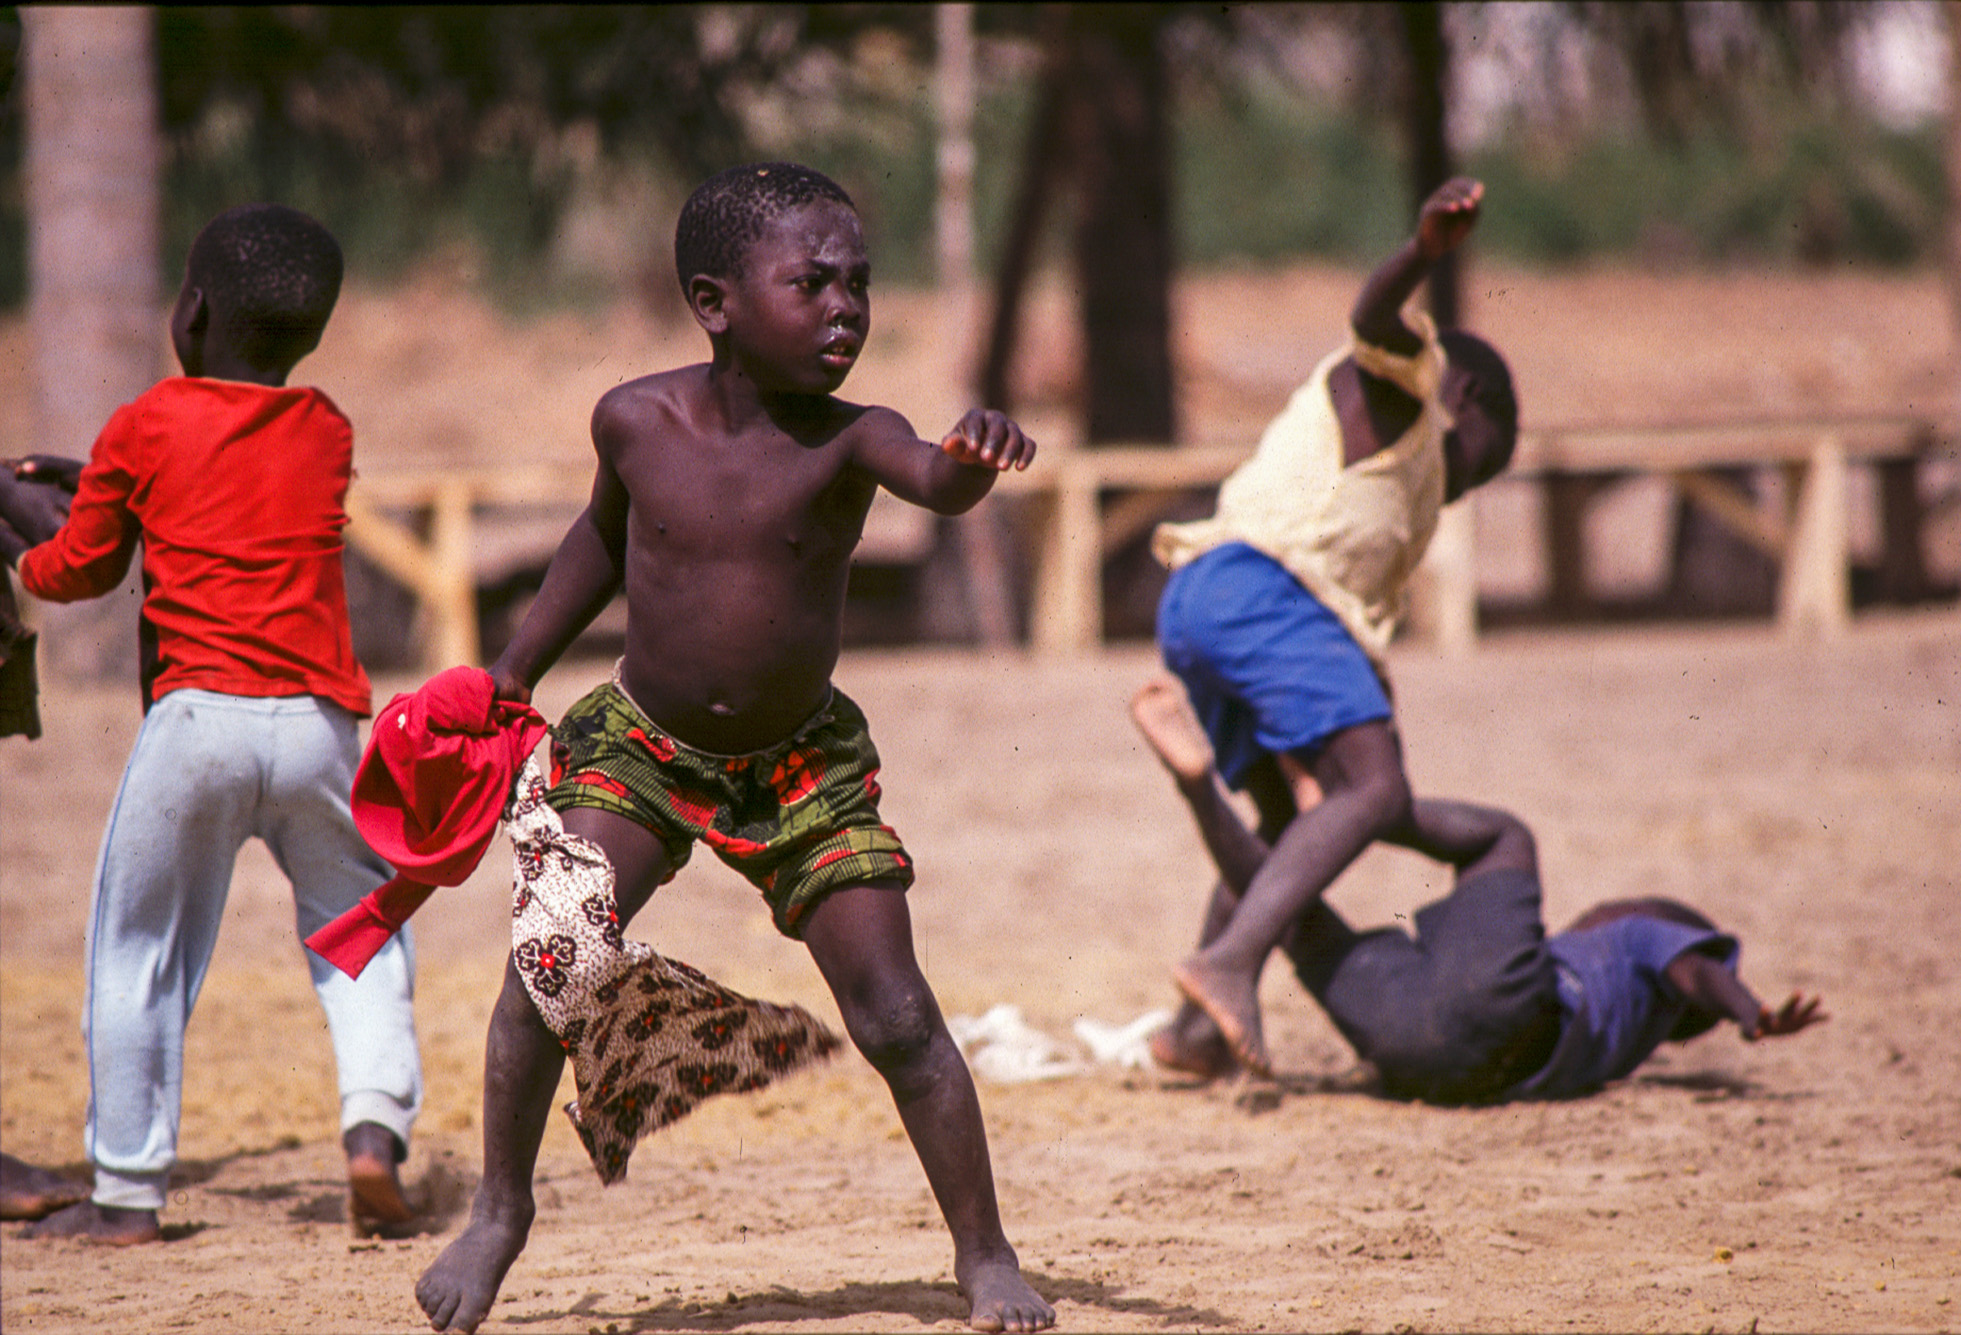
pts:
[375, 1141]
[501, 1210]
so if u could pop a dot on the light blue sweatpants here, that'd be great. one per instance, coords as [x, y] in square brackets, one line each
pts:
[208, 772]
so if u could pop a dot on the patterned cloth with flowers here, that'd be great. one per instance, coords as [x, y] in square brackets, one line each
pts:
[649, 1038]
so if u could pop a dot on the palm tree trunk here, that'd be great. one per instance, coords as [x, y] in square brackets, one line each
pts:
[92, 168]
[1952, 250]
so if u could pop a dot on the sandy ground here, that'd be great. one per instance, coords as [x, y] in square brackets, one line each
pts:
[1807, 797]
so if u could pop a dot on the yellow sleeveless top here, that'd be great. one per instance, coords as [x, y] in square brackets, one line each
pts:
[1352, 535]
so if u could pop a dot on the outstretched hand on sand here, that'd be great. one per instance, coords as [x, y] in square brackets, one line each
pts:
[1796, 1014]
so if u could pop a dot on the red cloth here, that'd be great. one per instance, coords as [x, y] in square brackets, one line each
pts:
[237, 493]
[438, 770]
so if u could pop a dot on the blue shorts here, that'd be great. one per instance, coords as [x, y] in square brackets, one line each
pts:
[1268, 667]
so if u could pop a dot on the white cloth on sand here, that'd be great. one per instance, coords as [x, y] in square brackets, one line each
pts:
[1002, 1047]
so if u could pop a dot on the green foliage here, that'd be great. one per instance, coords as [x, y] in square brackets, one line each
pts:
[1263, 176]
[386, 216]
[891, 174]
[426, 131]
[1822, 190]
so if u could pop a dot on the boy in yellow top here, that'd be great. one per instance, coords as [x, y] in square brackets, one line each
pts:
[1280, 609]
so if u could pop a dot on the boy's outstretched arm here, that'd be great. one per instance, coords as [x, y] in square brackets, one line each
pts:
[949, 478]
[88, 551]
[585, 572]
[1712, 986]
[1445, 219]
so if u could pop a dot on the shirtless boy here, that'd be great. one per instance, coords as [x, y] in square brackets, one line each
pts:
[727, 500]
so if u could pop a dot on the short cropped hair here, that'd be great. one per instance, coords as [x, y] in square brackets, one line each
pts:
[728, 211]
[272, 274]
[1492, 381]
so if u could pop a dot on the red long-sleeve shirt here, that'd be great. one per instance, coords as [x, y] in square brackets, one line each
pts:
[237, 493]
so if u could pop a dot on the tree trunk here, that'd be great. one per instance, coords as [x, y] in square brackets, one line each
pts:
[1042, 165]
[1952, 249]
[1426, 132]
[92, 168]
[1123, 231]
[1100, 131]
[983, 565]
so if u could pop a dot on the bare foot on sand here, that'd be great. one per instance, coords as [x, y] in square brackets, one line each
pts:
[1001, 1298]
[106, 1224]
[456, 1292]
[1192, 1043]
[1165, 718]
[31, 1192]
[374, 1188]
[1232, 1000]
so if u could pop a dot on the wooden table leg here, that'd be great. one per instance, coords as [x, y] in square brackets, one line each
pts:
[1445, 597]
[1565, 531]
[1814, 589]
[452, 595]
[1069, 577]
[1902, 561]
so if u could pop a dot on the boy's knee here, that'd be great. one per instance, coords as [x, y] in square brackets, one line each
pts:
[1364, 765]
[1390, 803]
[1514, 845]
[894, 1029]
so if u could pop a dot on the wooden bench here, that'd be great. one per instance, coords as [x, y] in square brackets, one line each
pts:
[1808, 535]
[1093, 500]
[423, 527]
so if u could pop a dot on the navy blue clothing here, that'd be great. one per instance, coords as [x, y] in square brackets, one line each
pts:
[1268, 667]
[1619, 1004]
[1480, 1005]
[1456, 1014]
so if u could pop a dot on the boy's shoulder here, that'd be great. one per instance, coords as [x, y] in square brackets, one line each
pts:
[684, 395]
[178, 408]
[675, 385]
[660, 401]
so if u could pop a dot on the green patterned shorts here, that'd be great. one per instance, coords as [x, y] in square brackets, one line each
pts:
[797, 821]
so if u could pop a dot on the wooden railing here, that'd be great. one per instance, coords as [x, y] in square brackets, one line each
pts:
[1097, 499]
[435, 559]
[420, 527]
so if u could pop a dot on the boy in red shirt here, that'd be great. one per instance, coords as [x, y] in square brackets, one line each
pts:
[234, 483]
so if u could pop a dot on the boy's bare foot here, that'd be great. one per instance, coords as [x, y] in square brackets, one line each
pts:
[1001, 1298]
[374, 1189]
[1233, 1002]
[1165, 718]
[107, 1224]
[457, 1290]
[31, 1192]
[1195, 1048]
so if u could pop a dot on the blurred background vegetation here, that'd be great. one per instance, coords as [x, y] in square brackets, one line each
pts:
[552, 145]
